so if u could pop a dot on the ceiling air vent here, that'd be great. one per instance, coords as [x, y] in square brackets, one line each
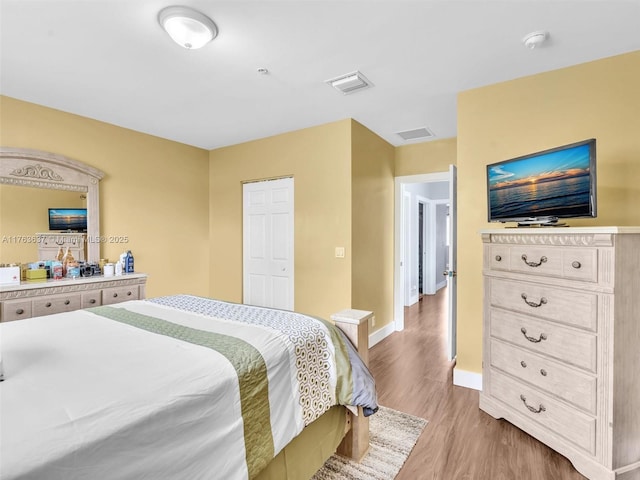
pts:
[350, 83]
[418, 133]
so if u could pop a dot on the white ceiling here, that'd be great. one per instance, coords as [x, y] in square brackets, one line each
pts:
[110, 60]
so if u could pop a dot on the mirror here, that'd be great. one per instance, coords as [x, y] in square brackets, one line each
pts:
[64, 179]
[23, 213]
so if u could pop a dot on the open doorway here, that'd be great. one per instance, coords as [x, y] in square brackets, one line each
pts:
[432, 247]
[425, 249]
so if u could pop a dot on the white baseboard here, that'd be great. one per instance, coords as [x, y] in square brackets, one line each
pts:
[379, 335]
[463, 378]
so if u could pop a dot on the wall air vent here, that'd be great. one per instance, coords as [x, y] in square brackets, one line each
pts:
[417, 133]
[350, 83]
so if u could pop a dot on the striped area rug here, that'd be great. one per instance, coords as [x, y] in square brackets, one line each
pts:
[392, 437]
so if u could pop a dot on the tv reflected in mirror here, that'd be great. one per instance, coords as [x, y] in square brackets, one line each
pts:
[68, 219]
[542, 187]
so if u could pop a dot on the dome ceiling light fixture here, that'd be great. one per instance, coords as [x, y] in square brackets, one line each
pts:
[187, 27]
[535, 39]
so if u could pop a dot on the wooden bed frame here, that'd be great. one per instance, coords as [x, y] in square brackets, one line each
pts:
[355, 325]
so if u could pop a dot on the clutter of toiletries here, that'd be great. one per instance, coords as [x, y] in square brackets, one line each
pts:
[64, 266]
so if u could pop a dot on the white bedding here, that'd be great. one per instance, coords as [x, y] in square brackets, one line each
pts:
[88, 397]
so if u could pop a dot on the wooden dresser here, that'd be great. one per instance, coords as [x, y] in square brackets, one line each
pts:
[54, 296]
[561, 347]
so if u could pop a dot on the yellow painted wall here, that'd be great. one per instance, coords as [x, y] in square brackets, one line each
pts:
[318, 158]
[154, 194]
[428, 157]
[599, 99]
[372, 224]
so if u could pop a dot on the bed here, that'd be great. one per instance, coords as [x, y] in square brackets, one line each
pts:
[177, 387]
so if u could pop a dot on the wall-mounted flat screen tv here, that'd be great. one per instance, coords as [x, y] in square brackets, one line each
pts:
[68, 219]
[542, 187]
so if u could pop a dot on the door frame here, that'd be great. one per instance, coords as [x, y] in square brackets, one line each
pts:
[400, 265]
[452, 279]
[404, 247]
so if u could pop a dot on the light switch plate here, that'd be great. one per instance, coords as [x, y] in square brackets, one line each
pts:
[339, 252]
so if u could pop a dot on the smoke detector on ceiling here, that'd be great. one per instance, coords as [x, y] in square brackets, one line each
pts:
[350, 83]
[535, 39]
[416, 134]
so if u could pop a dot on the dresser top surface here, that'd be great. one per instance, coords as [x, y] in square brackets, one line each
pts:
[34, 284]
[62, 233]
[559, 230]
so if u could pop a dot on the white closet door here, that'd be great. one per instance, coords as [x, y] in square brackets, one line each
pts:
[268, 243]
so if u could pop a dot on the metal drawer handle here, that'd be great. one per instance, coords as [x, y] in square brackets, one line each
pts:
[534, 264]
[129, 294]
[498, 258]
[543, 301]
[576, 264]
[48, 304]
[543, 372]
[523, 364]
[93, 300]
[532, 339]
[67, 302]
[532, 409]
[19, 311]
[115, 295]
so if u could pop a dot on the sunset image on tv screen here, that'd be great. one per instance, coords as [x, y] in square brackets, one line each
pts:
[553, 184]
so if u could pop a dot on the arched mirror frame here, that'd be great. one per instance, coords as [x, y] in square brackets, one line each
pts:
[38, 169]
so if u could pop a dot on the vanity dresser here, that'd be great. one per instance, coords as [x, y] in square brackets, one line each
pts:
[35, 299]
[48, 171]
[561, 346]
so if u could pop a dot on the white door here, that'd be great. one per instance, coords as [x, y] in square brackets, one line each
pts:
[452, 284]
[267, 248]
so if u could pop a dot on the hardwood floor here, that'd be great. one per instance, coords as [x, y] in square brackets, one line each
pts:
[461, 442]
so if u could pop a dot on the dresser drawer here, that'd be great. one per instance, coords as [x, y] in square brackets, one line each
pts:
[56, 304]
[120, 294]
[576, 308]
[92, 299]
[576, 427]
[571, 346]
[15, 310]
[570, 263]
[551, 376]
